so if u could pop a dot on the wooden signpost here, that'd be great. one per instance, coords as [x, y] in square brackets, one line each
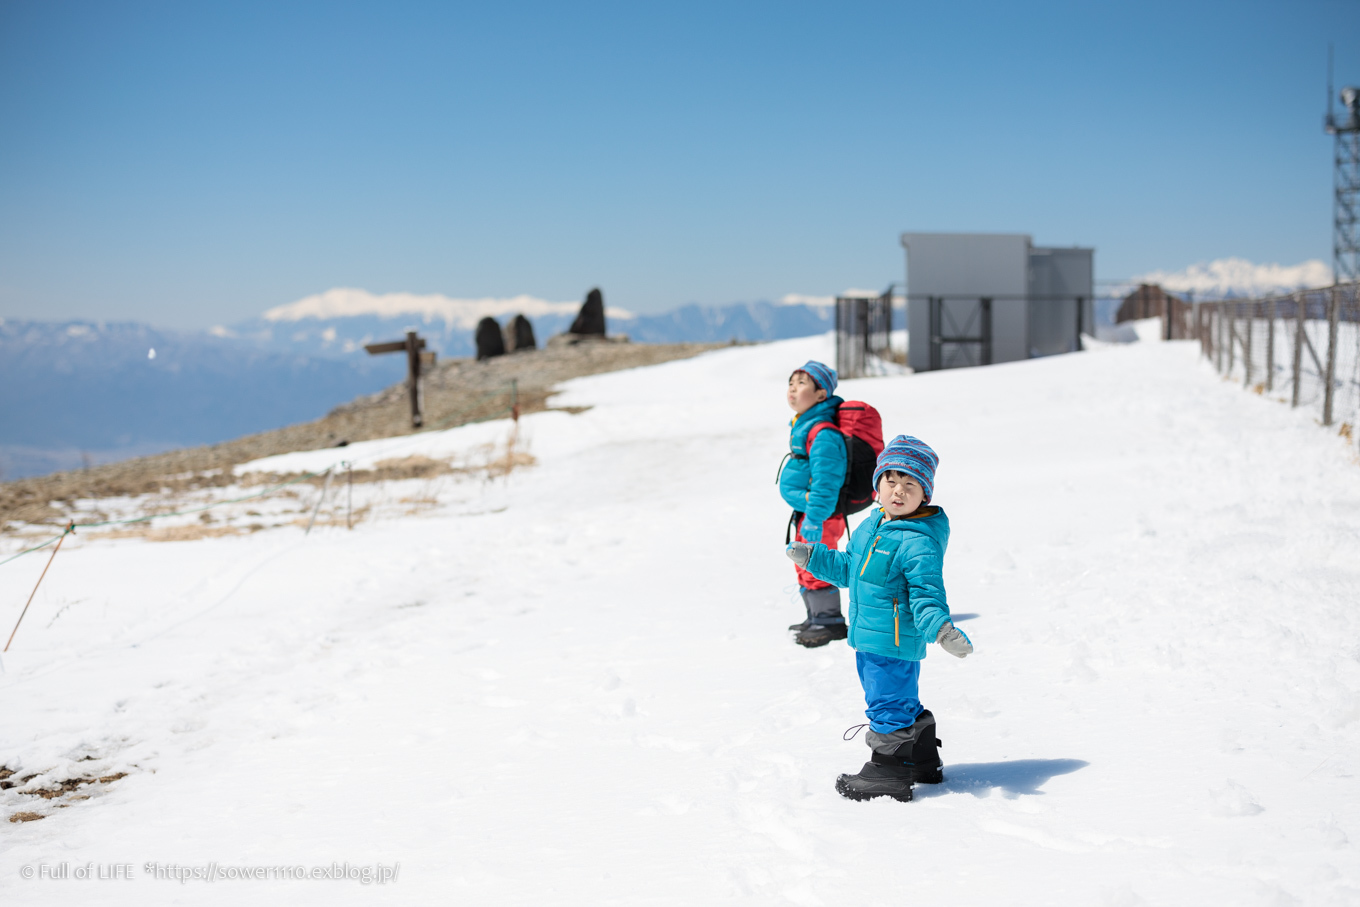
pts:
[413, 347]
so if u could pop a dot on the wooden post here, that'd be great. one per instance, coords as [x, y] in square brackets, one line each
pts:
[1232, 336]
[1300, 302]
[412, 347]
[413, 378]
[1270, 344]
[1246, 345]
[514, 399]
[1333, 305]
[1217, 317]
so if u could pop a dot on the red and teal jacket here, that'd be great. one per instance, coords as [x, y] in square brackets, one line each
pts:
[811, 479]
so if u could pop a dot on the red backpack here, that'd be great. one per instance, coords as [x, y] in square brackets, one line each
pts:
[862, 427]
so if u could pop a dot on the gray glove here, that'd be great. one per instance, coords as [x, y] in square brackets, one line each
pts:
[953, 641]
[799, 553]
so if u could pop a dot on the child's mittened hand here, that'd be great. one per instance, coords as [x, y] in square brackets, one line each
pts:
[810, 531]
[799, 553]
[953, 641]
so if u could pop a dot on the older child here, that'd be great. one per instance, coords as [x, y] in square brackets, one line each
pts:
[894, 568]
[811, 484]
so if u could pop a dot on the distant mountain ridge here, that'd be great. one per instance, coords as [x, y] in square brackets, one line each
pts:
[78, 391]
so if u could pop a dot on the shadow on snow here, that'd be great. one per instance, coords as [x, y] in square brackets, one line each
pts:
[1014, 778]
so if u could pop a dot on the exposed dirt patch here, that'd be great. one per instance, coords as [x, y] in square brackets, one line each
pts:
[456, 392]
[63, 790]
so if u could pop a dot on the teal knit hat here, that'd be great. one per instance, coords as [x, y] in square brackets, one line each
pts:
[824, 376]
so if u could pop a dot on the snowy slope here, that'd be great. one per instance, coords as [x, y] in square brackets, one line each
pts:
[573, 685]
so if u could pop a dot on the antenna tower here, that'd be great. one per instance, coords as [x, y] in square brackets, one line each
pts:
[1346, 181]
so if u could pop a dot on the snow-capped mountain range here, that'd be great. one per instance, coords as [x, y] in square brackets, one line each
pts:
[1237, 278]
[339, 322]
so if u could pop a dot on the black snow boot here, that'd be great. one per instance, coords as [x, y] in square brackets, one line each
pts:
[925, 752]
[824, 621]
[819, 635]
[882, 776]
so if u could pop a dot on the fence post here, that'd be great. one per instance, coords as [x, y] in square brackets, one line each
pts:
[1232, 337]
[1332, 306]
[1299, 313]
[1270, 344]
[1246, 345]
[1219, 320]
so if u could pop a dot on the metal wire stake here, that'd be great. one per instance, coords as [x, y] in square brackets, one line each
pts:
[70, 529]
[325, 486]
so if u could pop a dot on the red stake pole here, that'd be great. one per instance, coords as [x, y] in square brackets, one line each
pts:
[70, 528]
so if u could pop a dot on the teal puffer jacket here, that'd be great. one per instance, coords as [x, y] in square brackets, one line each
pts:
[813, 486]
[894, 570]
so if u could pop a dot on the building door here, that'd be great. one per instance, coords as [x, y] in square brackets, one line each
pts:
[960, 332]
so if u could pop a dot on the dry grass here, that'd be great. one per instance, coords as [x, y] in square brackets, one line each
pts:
[174, 533]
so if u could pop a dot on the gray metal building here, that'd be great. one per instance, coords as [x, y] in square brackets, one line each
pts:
[982, 298]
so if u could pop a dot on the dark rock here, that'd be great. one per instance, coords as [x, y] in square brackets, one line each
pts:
[489, 340]
[519, 335]
[591, 318]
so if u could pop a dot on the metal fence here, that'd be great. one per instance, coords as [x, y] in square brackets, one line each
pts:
[863, 334]
[1302, 348]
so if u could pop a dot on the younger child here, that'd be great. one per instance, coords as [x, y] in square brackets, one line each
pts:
[811, 483]
[894, 569]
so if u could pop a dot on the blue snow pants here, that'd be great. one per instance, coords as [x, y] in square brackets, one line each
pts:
[890, 690]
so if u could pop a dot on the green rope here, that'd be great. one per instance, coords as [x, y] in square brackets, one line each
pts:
[15, 557]
[155, 516]
[146, 519]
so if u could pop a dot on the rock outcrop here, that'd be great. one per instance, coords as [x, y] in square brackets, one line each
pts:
[489, 340]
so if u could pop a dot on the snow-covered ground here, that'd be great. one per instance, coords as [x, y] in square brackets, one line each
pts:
[572, 685]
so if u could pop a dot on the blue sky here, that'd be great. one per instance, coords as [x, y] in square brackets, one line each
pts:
[189, 164]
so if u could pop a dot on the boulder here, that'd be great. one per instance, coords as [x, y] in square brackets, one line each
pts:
[519, 335]
[489, 340]
[590, 320]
